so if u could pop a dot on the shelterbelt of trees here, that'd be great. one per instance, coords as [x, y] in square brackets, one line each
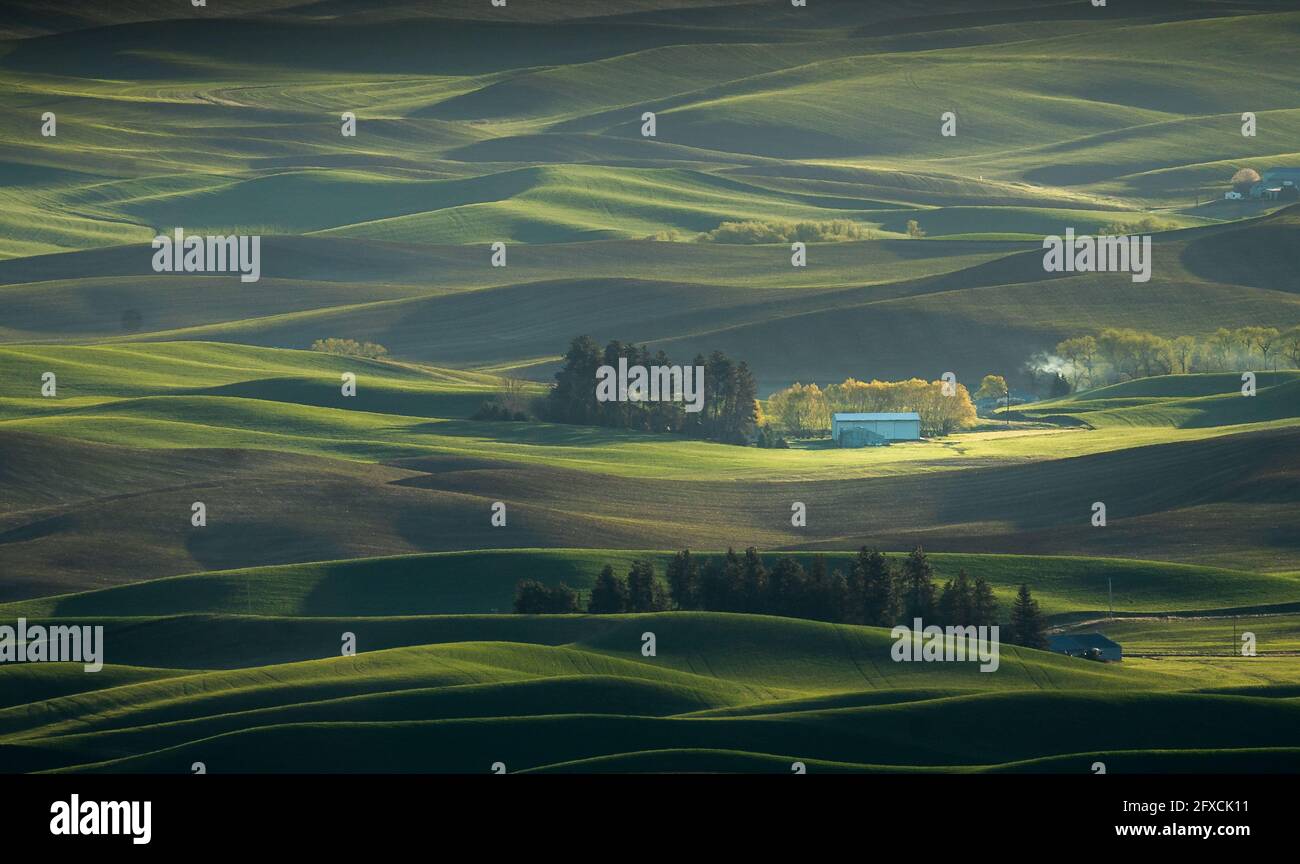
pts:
[804, 410]
[1118, 354]
[730, 408]
[875, 592]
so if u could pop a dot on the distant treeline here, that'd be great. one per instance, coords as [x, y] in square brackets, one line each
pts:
[756, 231]
[875, 592]
[1119, 354]
[823, 231]
[349, 348]
[728, 415]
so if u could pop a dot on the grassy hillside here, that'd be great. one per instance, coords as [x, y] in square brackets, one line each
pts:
[1065, 120]
[823, 690]
[939, 304]
[484, 581]
[153, 428]
[370, 515]
[1180, 401]
[1220, 636]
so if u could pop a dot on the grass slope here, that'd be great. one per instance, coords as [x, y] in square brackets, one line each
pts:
[597, 696]
[483, 581]
[369, 515]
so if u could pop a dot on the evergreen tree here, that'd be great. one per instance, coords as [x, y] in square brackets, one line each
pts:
[1027, 623]
[787, 588]
[880, 594]
[609, 594]
[719, 390]
[734, 578]
[683, 579]
[713, 589]
[639, 413]
[573, 399]
[918, 587]
[667, 414]
[856, 597]
[984, 607]
[957, 602]
[693, 423]
[742, 407]
[643, 591]
[818, 588]
[753, 583]
[614, 413]
[837, 597]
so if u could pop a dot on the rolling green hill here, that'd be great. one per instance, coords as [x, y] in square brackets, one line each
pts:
[1066, 120]
[531, 705]
[1181, 401]
[370, 515]
[484, 581]
[933, 305]
[1218, 636]
[154, 428]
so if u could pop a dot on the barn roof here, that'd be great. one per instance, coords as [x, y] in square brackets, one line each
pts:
[908, 415]
[1078, 641]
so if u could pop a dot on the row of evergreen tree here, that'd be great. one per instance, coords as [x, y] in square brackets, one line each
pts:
[874, 592]
[729, 412]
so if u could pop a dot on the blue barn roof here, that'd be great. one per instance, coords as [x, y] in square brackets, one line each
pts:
[908, 415]
[1079, 642]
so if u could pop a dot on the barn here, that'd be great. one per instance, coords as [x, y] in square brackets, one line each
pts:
[1277, 183]
[869, 430]
[1085, 645]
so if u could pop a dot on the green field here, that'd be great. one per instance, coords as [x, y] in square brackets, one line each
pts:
[578, 688]
[483, 581]
[372, 514]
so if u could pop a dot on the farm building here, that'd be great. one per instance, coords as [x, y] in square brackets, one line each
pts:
[869, 430]
[1277, 183]
[1084, 644]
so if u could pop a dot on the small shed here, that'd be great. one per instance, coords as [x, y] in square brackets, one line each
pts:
[869, 430]
[1084, 645]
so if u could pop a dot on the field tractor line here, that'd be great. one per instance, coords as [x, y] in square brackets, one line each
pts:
[848, 649]
[1034, 673]
[53, 511]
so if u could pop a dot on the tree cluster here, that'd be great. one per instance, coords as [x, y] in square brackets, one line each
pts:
[1121, 354]
[512, 402]
[495, 411]
[729, 413]
[1145, 225]
[350, 348]
[875, 591]
[825, 231]
[537, 598]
